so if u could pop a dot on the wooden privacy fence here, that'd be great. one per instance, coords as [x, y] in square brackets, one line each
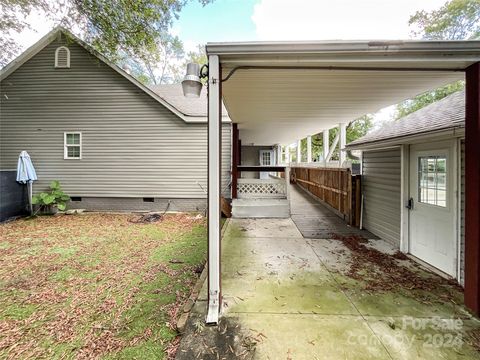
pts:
[336, 187]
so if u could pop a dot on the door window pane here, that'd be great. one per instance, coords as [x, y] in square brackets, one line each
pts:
[432, 180]
[266, 157]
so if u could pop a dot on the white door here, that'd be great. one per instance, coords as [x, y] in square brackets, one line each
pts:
[266, 159]
[433, 206]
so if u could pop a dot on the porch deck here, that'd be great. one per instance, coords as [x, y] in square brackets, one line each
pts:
[315, 220]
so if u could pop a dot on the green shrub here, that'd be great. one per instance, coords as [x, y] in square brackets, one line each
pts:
[56, 197]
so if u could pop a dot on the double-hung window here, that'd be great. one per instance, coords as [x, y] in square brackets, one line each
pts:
[72, 145]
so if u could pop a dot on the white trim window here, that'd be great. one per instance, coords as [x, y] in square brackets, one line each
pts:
[62, 57]
[72, 142]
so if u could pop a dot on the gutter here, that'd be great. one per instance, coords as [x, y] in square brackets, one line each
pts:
[455, 131]
[346, 48]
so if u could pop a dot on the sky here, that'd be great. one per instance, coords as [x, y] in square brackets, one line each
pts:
[270, 20]
[247, 20]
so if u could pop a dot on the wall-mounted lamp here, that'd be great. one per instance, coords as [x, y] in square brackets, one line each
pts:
[192, 84]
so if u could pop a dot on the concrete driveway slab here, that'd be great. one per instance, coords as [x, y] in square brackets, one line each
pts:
[286, 297]
[312, 337]
[263, 228]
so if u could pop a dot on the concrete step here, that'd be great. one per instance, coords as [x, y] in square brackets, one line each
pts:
[260, 208]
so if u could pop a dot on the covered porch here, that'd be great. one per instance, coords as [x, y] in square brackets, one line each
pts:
[278, 93]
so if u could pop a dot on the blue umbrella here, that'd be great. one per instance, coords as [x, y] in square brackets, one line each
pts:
[26, 174]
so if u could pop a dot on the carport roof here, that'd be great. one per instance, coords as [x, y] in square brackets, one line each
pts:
[279, 92]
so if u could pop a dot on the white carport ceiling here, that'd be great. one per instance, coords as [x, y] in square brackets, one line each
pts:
[281, 106]
[315, 86]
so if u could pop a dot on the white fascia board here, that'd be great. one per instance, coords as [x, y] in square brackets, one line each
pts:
[382, 47]
[409, 139]
[446, 55]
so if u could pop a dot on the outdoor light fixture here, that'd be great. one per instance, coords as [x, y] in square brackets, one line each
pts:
[192, 84]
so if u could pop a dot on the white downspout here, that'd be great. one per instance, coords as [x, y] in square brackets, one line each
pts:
[214, 188]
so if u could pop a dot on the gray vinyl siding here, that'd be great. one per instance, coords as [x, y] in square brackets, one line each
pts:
[381, 190]
[132, 145]
[462, 212]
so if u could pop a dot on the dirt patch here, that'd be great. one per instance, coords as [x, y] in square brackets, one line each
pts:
[147, 218]
[381, 272]
[226, 341]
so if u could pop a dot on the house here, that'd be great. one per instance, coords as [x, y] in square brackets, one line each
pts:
[112, 142]
[414, 184]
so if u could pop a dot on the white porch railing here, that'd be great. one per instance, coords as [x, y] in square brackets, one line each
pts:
[261, 189]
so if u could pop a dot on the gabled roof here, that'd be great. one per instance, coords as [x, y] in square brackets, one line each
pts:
[173, 94]
[444, 114]
[52, 35]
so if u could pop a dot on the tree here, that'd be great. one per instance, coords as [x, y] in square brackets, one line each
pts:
[198, 56]
[355, 130]
[116, 28]
[13, 20]
[456, 20]
[160, 65]
[422, 100]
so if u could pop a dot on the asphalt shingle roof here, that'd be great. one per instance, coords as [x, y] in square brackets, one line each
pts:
[173, 94]
[443, 114]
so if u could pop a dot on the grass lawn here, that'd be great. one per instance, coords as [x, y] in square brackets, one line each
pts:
[96, 285]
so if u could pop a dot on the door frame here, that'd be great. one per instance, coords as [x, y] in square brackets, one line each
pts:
[405, 241]
[272, 155]
[272, 160]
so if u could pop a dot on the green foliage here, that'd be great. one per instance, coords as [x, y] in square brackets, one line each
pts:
[198, 56]
[355, 130]
[422, 100]
[161, 64]
[456, 20]
[116, 28]
[56, 197]
[13, 19]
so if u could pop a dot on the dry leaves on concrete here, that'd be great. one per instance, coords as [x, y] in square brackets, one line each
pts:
[381, 272]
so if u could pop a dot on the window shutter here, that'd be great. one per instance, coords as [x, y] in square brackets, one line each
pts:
[62, 57]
